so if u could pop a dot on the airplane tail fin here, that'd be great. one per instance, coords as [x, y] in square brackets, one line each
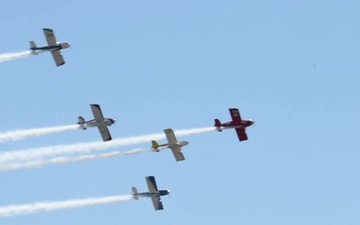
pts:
[218, 125]
[81, 121]
[32, 47]
[135, 193]
[154, 144]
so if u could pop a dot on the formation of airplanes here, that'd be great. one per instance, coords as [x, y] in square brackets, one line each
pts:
[154, 193]
[102, 124]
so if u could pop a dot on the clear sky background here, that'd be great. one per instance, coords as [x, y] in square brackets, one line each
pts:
[292, 66]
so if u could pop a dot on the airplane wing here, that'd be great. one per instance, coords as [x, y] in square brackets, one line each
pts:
[157, 203]
[95, 108]
[104, 131]
[105, 134]
[59, 60]
[151, 184]
[50, 36]
[153, 189]
[241, 133]
[176, 150]
[170, 136]
[235, 114]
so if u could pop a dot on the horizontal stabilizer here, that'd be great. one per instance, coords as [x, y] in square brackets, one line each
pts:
[154, 144]
[81, 121]
[135, 193]
[217, 124]
[32, 45]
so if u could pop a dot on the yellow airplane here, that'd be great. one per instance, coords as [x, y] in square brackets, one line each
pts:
[173, 144]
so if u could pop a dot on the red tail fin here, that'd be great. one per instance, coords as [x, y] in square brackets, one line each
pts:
[218, 125]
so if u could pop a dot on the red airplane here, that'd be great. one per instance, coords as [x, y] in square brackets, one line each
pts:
[237, 123]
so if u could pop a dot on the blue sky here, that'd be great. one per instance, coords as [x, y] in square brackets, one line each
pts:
[292, 66]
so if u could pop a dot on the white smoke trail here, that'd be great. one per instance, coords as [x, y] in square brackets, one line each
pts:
[22, 134]
[31, 154]
[11, 56]
[13, 210]
[61, 160]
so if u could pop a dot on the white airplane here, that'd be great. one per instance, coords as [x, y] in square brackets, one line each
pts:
[154, 193]
[173, 144]
[53, 46]
[99, 121]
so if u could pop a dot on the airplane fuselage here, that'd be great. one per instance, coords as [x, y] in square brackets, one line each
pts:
[232, 124]
[167, 145]
[180, 144]
[59, 46]
[94, 123]
[152, 194]
[243, 123]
